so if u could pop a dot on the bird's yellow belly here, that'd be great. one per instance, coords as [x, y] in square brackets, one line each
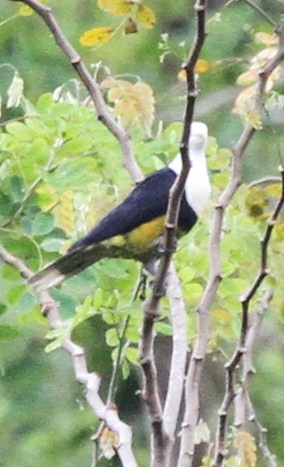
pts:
[144, 236]
[142, 239]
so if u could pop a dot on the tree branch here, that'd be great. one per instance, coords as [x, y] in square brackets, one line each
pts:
[91, 381]
[199, 351]
[91, 85]
[161, 441]
[242, 402]
[241, 348]
[179, 353]
[243, 405]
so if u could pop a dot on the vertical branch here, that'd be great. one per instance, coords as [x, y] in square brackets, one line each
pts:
[241, 349]
[179, 352]
[243, 405]
[91, 85]
[199, 351]
[91, 381]
[160, 438]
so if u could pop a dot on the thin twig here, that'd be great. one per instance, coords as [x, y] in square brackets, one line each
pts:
[199, 350]
[243, 405]
[160, 439]
[91, 381]
[45, 12]
[261, 12]
[270, 458]
[231, 366]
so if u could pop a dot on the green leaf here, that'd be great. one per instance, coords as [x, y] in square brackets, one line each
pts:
[20, 131]
[27, 302]
[186, 274]
[78, 145]
[52, 244]
[132, 355]
[14, 295]
[77, 173]
[164, 328]
[132, 334]
[7, 333]
[3, 308]
[57, 336]
[232, 286]
[43, 224]
[10, 273]
[112, 339]
[97, 299]
[45, 102]
[17, 188]
[6, 205]
[68, 303]
[125, 369]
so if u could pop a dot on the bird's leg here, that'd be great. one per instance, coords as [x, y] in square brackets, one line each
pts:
[140, 290]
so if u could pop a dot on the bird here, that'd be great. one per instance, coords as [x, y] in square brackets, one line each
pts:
[132, 229]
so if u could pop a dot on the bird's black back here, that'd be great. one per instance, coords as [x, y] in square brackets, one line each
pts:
[146, 202]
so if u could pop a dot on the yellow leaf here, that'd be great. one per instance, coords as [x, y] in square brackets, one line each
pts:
[108, 83]
[64, 212]
[116, 7]
[254, 119]
[25, 10]
[133, 103]
[146, 16]
[182, 75]
[96, 36]
[108, 441]
[247, 78]
[266, 38]
[47, 197]
[245, 444]
[144, 104]
[115, 94]
[221, 315]
[273, 190]
[263, 57]
[244, 101]
[201, 66]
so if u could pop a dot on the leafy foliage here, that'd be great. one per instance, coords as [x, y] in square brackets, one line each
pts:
[132, 11]
[61, 171]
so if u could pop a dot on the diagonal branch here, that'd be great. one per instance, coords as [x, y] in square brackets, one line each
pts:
[199, 351]
[241, 347]
[91, 381]
[45, 12]
[242, 402]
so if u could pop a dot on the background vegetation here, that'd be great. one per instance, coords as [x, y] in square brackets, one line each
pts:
[55, 187]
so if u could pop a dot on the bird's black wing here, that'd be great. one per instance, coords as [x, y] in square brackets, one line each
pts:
[146, 202]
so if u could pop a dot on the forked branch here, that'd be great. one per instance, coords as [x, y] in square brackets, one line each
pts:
[91, 381]
[241, 349]
[161, 441]
[199, 351]
[93, 88]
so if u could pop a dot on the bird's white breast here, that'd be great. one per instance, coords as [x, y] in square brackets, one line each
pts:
[197, 186]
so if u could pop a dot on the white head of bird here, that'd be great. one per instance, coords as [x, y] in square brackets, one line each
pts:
[197, 186]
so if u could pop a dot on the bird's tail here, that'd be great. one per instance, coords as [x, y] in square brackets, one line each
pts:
[75, 261]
